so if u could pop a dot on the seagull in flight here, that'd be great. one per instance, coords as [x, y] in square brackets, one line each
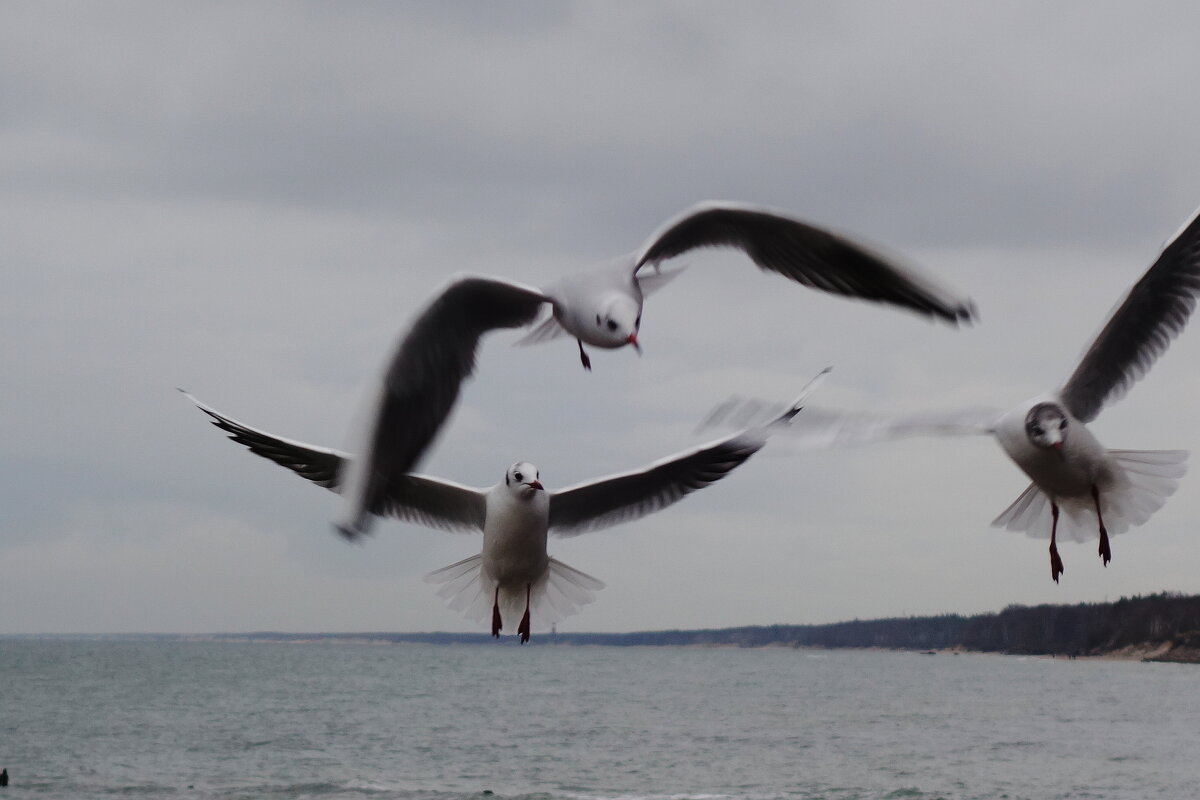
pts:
[514, 575]
[1100, 492]
[603, 306]
[422, 380]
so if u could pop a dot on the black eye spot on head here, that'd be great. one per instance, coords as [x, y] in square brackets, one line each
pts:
[597, 319]
[1062, 426]
[612, 326]
[517, 476]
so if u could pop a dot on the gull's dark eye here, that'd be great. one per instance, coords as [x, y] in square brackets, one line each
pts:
[517, 475]
[637, 323]
[612, 326]
[1062, 426]
[1037, 431]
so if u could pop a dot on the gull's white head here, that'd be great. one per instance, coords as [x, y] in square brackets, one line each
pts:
[1046, 426]
[522, 480]
[615, 323]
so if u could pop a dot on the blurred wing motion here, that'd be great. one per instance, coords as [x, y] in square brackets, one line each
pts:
[1152, 314]
[418, 499]
[628, 496]
[826, 428]
[806, 254]
[422, 382]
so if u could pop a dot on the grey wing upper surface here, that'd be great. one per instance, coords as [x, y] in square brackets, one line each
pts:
[423, 379]
[806, 254]
[631, 495]
[419, 499]
[1153, 313]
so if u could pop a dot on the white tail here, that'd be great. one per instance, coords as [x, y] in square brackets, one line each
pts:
[560, 592]
[544, 331]
[1142, 482]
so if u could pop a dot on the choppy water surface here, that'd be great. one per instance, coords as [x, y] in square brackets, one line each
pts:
[242, 720]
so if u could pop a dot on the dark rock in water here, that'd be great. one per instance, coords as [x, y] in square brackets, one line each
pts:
[4, 777]
[488, 793]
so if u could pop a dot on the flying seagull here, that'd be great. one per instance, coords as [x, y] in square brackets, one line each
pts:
[514, 574]
[422, 380]
[603, 306]
[1101, 492]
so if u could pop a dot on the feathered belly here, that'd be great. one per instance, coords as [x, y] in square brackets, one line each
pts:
[1059, 477]
[515, 556]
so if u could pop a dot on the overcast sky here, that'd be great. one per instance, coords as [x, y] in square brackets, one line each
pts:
[251, 200]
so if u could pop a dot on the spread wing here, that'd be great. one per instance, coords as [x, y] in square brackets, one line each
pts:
[806, 254]
[320, 465]
[1153, 313]
[622, 498]
[819, 428]
[419, 499]
[422, 382]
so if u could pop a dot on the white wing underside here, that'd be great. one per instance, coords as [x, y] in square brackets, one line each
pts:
[818, 428]
[1145, 479]
[545, 331]
[559, 593]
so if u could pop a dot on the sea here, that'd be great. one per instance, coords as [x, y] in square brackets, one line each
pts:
[210, 719]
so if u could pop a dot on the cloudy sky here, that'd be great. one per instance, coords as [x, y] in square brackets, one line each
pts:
[251, 200]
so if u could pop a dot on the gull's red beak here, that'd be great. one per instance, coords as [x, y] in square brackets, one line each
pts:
[534, 485]
[633, 341]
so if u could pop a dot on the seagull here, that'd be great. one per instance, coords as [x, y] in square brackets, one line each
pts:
[422, 380]
[514, 574]
[1102, 492]
[603, 306]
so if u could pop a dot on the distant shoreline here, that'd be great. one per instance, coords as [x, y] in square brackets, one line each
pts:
[1161, 627]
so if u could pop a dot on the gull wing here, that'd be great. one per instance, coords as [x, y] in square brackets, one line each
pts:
[1153, 312]
[806, 254]
[631, 495]
[819, 428]
[422, 383]
[320, 465]
[419, 499]
[622, 498]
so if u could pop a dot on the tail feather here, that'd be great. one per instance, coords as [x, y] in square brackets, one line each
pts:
[558, 593]
[544, 331]
[1029, 507]
[1141, 484]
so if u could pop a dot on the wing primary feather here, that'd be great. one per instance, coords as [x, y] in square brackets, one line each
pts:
[1153, 312]
[320, 465]
[804, 253]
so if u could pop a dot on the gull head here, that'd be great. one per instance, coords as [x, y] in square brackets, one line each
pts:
[522, 480]
[1046, 426]
[616, 323]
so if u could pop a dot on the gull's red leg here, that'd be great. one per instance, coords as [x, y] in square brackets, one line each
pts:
[496, 613]
[1056, 565]
[523, 628]
[1105, 550]
[583, 357]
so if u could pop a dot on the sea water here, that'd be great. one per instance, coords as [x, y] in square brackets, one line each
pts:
[95, 719]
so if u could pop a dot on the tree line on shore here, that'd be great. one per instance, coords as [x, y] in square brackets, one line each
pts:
[1167, 618]
[1082, 629]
